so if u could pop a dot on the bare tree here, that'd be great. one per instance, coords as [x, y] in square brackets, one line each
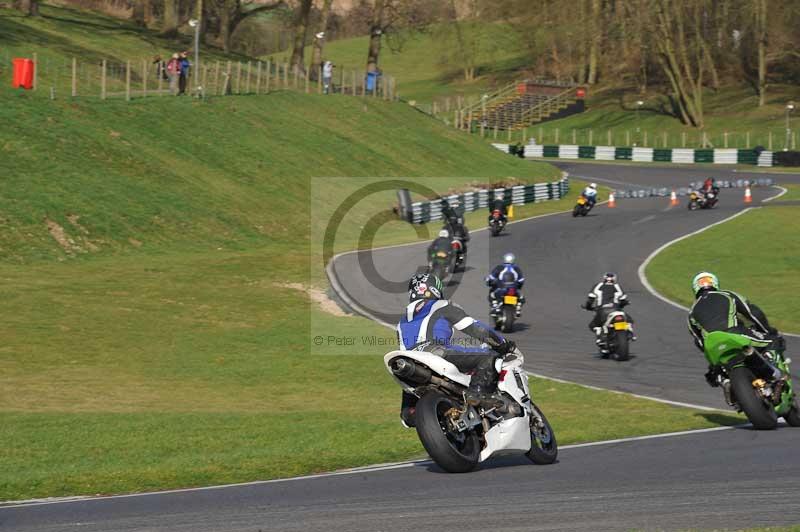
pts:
[319, 39]
[376, 30]
[232, 13]
[680, 55]
[300, 30]
[595, 28]
[169, 25]
[143, 13]
[760, 12]
[29, 7]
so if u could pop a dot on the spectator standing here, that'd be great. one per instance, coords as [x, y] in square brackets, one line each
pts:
[173, 72]
[327, 76]
[185, 65]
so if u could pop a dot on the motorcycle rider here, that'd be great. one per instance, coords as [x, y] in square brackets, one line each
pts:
[428, 324]
[590, 194]
[454, 222]
[727, 311]
[503, 277]
[709, 186]
[440, 243]
[498, 204]
[607, 291]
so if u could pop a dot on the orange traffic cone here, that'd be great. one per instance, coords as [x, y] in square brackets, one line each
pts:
[611, 201]
[748, 196]
[673, 198]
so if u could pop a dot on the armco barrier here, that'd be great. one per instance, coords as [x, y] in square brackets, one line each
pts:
[726, 156]
[641, 154]
[683, 155]
[604, 153]
[431, 211]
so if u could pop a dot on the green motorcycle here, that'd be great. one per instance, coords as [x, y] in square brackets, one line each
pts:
[762, 394]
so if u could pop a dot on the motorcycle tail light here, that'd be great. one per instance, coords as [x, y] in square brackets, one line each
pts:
[455, 244]
[512, 291]
[619, 318]
[502, 375]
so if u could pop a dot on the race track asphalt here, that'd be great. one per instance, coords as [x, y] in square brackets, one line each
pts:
[717, 480]
[732, 478]
[562, 258]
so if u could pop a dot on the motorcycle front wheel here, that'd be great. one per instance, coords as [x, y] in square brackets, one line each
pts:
[758, 412]
[793, 416]
[455, 452]
[544, 448]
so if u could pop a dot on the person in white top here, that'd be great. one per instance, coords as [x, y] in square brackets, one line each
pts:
[327, 76]
[590, 193]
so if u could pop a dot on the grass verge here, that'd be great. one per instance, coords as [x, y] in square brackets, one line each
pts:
[755, 254]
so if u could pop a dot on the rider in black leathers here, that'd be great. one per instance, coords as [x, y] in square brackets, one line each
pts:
[606, 292]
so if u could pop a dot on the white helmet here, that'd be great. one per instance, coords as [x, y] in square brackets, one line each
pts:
[509, 258]
[444, 233]
[593, 186]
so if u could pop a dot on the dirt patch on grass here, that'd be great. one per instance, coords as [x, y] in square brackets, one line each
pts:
[318, 296]
[60, 236]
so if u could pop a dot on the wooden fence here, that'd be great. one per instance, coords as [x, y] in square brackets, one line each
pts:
[142, 78]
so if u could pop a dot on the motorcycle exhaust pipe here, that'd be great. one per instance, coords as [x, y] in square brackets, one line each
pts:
[406, 369]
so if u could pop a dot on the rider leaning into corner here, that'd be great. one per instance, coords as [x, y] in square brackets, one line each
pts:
[590, 193]
[608, 291]
[428, 324]
[726, 311]
[503, 277]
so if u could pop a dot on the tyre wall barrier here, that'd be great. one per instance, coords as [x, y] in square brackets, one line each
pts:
[639, 154]
[430, 211]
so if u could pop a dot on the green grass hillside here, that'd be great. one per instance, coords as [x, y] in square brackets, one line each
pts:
[423, 68]
[159, 282]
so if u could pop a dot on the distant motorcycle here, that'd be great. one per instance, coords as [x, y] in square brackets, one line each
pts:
[460, 256]
[702, 201]
[506, 313]
[616, 332]
[582, 207]
[441, 263]
[458, 436]
[497, 222]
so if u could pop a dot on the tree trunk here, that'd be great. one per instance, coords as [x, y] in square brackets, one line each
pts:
[300, 30]
[29, 7]
[595, 26]
[169, 28]
[225, 26]
[375, 34]
[761, 37]
[316, 54]
[673, 47]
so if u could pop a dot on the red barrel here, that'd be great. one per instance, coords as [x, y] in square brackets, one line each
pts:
[23, 73]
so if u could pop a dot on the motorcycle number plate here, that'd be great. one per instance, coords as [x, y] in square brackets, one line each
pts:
[441, 254]
[510, 300]
[581, 201]
[620, 326]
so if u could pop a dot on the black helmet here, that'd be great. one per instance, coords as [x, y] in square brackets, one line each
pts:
[424, 286]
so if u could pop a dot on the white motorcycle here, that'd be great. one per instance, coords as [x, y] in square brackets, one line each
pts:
[458, 436]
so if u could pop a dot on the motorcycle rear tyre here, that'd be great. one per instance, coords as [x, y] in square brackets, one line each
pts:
[622, 343]
[430, 409]
[758, 412]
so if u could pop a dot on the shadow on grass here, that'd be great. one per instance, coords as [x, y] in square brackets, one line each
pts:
[723, 420]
